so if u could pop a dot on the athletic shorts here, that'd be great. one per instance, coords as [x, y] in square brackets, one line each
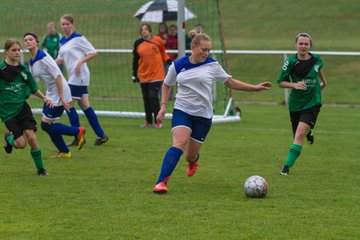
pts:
[52, 113]
[23, 121]
[78, 91]
[307, 116]
[199, 126]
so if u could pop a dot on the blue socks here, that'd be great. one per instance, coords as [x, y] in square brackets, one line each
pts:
[169, 163]
[56, 130]
[73, 117]
[94, 122]
[63, 129]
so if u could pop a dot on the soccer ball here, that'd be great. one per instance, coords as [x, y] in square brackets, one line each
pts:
[255, 187]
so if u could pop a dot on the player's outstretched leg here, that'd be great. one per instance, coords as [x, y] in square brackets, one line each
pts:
[293, 154]
[170, 161]
[94, 123]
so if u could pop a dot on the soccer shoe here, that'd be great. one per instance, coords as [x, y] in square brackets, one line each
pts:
[62, 155]
[310, 137]
[146, 125]
[101, 140]
[7, 146]
[73, 143]
[285, 170]
[192, 168]
[161, 186]
[42, 172]
[80, 138]
[158, 125]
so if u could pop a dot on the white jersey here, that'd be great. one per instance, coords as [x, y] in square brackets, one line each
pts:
[194, 85]
[72, 49]
[43, 66]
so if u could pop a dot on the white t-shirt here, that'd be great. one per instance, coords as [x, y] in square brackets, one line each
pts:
[72, 49]
[194, 83]
[44, 67]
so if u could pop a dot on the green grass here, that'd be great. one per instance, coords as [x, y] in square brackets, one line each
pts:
[105, 192]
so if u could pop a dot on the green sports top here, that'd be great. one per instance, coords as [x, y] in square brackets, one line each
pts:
[295, 70]
[16, 84]
[51, 43]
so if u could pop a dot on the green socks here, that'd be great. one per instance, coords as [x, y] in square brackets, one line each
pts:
[293, 154]
[36, 156]
[10, 139]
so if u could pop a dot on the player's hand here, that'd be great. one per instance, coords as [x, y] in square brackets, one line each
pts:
[323, 84]
[48, 102]
[300, 86]
[66, 105]
[78, 68]
[161, 114]
[264, 86]
[134, 79]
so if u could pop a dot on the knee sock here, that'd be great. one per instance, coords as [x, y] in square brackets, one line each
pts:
[73, 117]
[11, 140]
[293, 154]
[59, 142]
[64, 129]
[94, 122]
[169, 163]
[36, 156]
[56, 137]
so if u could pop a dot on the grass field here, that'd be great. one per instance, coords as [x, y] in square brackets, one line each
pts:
[105, 192]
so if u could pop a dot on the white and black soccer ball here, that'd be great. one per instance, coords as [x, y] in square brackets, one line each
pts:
[255, 187]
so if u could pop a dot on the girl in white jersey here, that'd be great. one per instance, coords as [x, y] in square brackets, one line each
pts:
[75, 51]
[44, 67]
[192, 114]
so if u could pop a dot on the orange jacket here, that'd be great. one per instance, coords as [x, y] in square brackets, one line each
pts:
[149, 59]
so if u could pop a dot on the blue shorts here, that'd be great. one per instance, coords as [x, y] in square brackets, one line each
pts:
[199, 126]
[78, 91]
[53, 113]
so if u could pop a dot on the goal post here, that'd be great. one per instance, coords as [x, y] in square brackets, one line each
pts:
[112, 28]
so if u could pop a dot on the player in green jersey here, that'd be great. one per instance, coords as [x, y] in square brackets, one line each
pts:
[300, 72]
[16, 84]
[51, 41]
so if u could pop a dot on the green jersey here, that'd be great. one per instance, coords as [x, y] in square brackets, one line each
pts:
[51, 44]
[16, 84]
[295, 70]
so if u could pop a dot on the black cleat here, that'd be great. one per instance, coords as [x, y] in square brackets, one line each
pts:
[7, 146]
[101, 140]
[42, 172]
[75, 143]
[310, 137]
[285, 170]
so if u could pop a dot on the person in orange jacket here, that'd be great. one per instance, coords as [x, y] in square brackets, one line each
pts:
[148, 69]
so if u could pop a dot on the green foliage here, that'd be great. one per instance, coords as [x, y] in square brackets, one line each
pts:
[105, 192]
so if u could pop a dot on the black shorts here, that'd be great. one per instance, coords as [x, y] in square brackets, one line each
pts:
[307, 116]
[23, 121]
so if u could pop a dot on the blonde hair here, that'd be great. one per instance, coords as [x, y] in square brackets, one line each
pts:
[68, 17]
[303, 34]
[197, 37]
[51, 24]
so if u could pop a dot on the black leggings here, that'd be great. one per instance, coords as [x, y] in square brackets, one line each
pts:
[150, 92]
